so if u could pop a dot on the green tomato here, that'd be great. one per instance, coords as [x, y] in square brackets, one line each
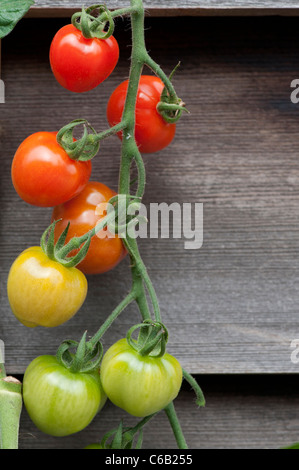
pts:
[58, 401]
[141, 385]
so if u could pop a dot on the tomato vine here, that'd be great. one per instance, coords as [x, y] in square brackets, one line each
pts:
[97, 23]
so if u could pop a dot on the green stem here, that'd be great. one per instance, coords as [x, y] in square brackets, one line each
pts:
[200, 399]
[131, 152]
[162, 75]
[76, 242]
[123, 11]
[10, 412]
[139, 265]
[141, 299]
[112, 317]
[108, 132]
[128, 435]
[141, 174]
[129, 147]
[176, 427]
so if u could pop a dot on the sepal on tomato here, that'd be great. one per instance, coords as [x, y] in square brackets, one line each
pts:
[92, 26]
[82, 149]
[87, 357]
[59, 251]
[152, 338]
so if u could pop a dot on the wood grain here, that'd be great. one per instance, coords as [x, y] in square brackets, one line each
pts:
[175, 8]
[240, 414]
[232, 306]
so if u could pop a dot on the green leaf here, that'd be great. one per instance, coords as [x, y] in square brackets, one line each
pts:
[294, 446]
[11, 11]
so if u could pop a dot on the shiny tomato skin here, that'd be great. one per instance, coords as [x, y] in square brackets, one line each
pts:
[152, 133]
[60, 402]
[81, 64]
[140, 385]
[44, 175]
[42, 292]
[104, 253]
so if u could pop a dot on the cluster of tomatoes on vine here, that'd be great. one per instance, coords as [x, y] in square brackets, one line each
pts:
[63, 393]
[44, 175]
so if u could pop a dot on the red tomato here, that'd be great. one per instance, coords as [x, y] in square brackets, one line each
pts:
[152, 133]
[104, 253]
[80, 64]
[44, 175]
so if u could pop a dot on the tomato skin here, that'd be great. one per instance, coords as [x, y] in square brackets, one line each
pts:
[152, 133]
[81, 64]
[104, 253]
[139, 385]
[44, 175]
[58, 401]
[42, 292]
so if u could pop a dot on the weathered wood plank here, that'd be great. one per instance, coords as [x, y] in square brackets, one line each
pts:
[175, 8]
[233, 304]
[252, 414]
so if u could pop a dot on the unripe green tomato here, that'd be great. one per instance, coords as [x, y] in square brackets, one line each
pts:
[60, 402]
[42, 292]
[141, 385]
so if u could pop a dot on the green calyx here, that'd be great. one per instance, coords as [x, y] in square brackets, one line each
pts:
[87, 356]
[94, 22]
[83, 149]
[171, 112]
[125, 209]
[152, 338]
[120, 219]
[59, 251]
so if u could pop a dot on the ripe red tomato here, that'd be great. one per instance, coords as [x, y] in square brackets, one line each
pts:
[152, 133]
[104, 253]
[81, 64]
[44, 175]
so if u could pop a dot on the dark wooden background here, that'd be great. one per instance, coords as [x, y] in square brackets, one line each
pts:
[176, 8]
[232, 306]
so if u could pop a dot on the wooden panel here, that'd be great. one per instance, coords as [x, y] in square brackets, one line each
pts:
[232, 305]
[175, 8]
[240, 414]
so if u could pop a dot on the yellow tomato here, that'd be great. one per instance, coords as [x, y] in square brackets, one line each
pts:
[43, 292]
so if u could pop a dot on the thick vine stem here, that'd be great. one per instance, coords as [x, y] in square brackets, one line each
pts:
[95, 26]
[140, 267]
[175, 425]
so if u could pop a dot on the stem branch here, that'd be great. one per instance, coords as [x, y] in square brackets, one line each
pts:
[162, 75]
[108, 132]
[116, 312]
[176, 427]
